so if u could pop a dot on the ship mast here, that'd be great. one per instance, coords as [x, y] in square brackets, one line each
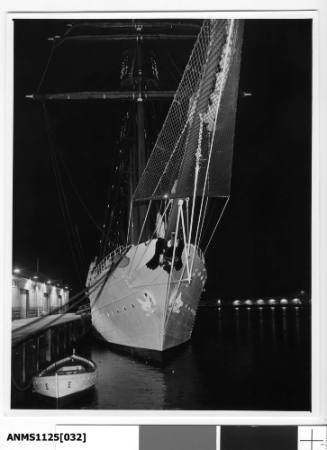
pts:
[139, 159]
[137, 85]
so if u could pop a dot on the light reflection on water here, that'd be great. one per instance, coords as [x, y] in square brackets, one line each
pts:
[237, 359]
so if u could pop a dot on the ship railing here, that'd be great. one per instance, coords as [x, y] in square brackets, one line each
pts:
[107, 261]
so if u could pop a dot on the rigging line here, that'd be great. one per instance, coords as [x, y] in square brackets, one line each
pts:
[77, 193]
[186, 250]
[129, 220]
[59, 40]
[107, 228]
[112, 199]
[141, 259]
[64, 211]
[151, 238]
[174, 77]
[146, 246]
[107, 221]
[158, 226]
[215, 227]
[171, 155]
[187, 216]
[56, 175]
[203, 220]
[198, 155]
[129, 127]
[145, 219]
[82, 251]
[70, 222]
[115, 200]
[49, 324]
[206, 226]
[62, 207]
[180, 205]
[167, 164]
[154, 114]
[199, 220]
[74, 234]
[46, 67]
[224, 75]
[179, 73]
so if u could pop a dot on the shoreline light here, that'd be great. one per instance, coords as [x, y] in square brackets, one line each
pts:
[17, 270]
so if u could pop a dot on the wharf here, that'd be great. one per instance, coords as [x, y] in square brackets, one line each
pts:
[23, 329]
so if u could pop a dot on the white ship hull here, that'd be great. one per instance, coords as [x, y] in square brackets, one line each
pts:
[132, 306]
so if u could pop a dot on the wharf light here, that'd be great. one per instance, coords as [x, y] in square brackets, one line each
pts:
[17, 270]
[49, 282]
[296, 301]
[35, 277]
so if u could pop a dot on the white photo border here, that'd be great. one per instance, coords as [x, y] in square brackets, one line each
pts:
[306, 9]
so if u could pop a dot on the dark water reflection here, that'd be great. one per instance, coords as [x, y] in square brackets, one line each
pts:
[238, 359]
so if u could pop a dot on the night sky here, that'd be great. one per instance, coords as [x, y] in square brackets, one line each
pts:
[263, 245]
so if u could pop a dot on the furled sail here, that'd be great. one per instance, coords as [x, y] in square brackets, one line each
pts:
[193, 152]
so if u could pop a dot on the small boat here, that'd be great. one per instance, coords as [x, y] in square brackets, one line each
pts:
[66, 377]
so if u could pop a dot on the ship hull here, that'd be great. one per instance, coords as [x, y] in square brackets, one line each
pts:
[138, 307]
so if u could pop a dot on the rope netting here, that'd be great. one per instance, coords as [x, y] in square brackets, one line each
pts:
[213, 65]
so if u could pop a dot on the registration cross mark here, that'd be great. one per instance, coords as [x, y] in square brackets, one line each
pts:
[312, 441]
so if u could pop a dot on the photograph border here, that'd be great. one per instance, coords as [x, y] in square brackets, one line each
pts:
[316, 12]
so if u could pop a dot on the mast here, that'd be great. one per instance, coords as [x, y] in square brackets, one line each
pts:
[139, 84]
[138, 213]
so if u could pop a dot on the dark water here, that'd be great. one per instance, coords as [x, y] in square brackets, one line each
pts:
[246, 359]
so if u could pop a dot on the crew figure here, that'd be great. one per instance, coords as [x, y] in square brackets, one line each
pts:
[164, 254]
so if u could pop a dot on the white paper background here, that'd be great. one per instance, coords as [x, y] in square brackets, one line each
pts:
[81, 9]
